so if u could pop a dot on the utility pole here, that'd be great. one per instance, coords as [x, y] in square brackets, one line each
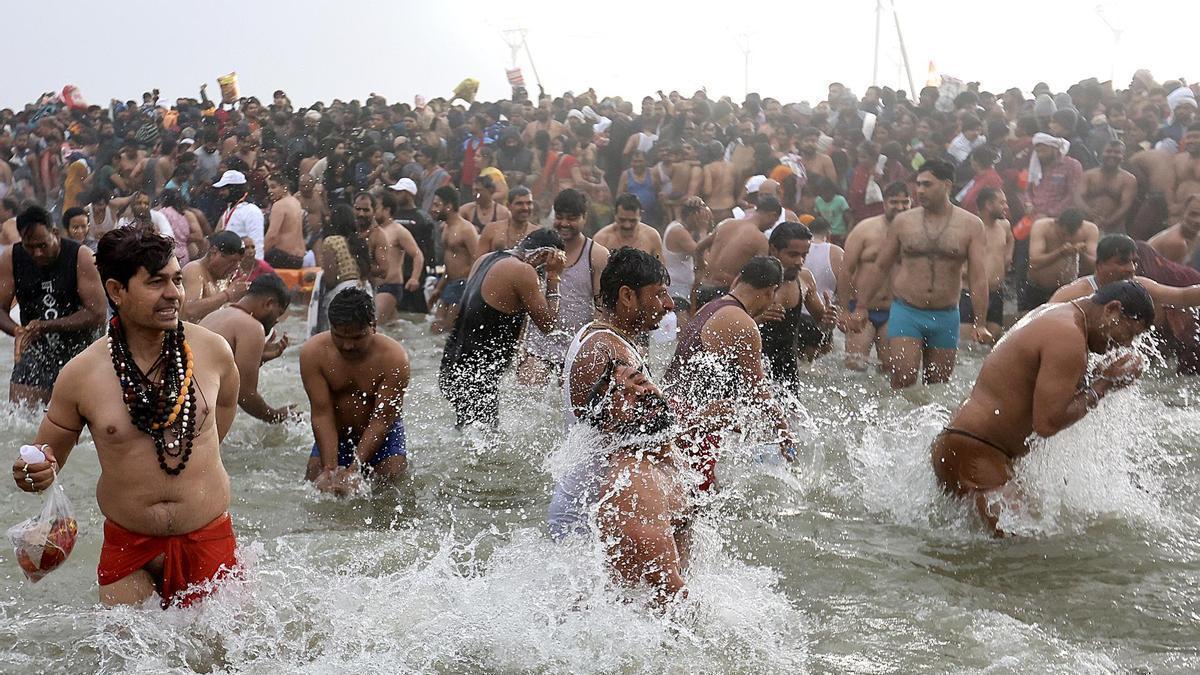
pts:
[1116, 36]
[515, 38]
[743, 42]
[904, 52]
[875, 69]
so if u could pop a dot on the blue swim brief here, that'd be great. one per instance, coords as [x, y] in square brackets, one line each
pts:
[877, 317]
[936, 328]
[452, 292]
[395, 443]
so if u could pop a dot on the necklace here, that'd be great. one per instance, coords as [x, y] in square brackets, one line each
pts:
[157, 408]
[1075, 304]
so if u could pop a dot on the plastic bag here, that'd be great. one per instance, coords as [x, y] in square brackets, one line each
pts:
[44, 542]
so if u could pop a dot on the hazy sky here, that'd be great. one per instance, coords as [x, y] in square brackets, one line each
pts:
[350, 48]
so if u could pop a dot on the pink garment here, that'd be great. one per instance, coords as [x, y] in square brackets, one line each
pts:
[179, 225]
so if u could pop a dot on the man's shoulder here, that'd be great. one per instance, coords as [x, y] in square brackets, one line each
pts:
[205, 337]
[391, 349]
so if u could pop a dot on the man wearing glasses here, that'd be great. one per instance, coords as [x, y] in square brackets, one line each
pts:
[585, 260]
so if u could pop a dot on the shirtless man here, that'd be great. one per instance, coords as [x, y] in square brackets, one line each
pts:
[164, 494]
[815, 162]
[719, 183]
[1178, 243]
[484, 210]
[459, 246]
[313, 204]
[502, 291]
[284, 239]
[1187, 169]
[209, 282]
[863, 245]
[733, 244]
[1117, 259]
[245, 325]
[932, 244]
[504, 234]
[1109, 190]
[1037, 381]
[1155, 172]
[627, 229]
[355, 380]
[993, 210]
[1060, 250]
[391, 245]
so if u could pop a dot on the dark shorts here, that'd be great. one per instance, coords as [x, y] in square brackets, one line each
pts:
[452, 293]
[413, 302]
[995, 312]
[877, 317]
[809, 335]
[395, 290]
[1034, 296]
[43, 359]
[394, 444]
[474, 397]
[706, 294]
[283, 261]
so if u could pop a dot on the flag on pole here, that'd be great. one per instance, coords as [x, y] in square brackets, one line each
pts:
[515, 78]
[933, 79]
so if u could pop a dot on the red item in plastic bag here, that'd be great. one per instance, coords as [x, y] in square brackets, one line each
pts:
[44, 542]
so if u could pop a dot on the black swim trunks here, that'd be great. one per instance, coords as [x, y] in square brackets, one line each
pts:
[283, 261]
[43, 358]
[995, 311]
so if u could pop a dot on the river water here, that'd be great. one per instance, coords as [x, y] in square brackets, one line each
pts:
[850, 561]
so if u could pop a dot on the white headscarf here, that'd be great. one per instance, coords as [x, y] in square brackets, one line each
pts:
[1035, 165]
[1179, 97]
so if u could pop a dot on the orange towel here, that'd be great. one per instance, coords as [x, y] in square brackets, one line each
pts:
[192, 558]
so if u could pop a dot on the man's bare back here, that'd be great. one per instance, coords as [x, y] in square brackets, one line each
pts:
[286, 231]
[735, 242]
[719, 184]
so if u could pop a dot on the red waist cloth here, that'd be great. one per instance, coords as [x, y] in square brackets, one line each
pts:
[192, 558]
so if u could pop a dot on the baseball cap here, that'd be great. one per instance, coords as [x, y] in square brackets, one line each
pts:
[231, 177]
[405, 185]
[227, 242]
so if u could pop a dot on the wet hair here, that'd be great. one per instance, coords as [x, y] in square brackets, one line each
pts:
[987, 195]
[1118, 246]
[1070, 219]
[352, 307]
[571, 202]
[693, 205]
[519, 191]
[787, 232]
[763, 271]
[271, 286]
[31, 217]
[542, 238]
[123, 250]
[77, 211]
[895, 189]
[1136, 303]
[941, 170]
[630, 267]
[226, 242]
[629, 202]
[769, 204]
[984, 156]
[449, 195]
[819, 225]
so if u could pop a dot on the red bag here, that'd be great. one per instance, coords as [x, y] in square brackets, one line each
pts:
[44, 542]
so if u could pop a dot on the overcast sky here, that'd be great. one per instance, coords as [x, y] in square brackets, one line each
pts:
[350, 48]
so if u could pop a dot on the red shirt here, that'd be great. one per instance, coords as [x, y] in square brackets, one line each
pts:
[988, 178]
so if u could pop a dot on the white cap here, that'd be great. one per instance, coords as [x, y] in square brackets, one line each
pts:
[231, 177]
[577, 114]
[753, 183]
[405, 185]
[187, 141]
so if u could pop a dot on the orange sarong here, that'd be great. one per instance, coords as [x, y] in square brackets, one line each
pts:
[188, 559]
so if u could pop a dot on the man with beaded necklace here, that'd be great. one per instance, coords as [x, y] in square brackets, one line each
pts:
[159, 392]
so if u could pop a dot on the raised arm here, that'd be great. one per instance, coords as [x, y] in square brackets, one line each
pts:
[543, 309]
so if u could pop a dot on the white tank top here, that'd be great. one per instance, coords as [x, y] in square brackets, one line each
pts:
[576, 308]
[577, 491]
[679, 266]
[818, 263]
